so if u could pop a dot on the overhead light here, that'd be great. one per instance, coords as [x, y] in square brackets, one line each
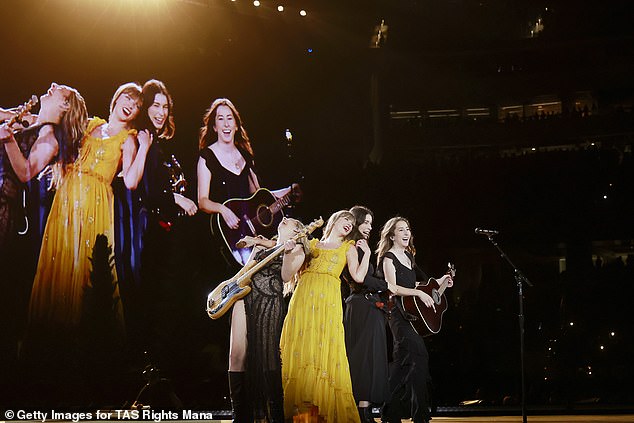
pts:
[302, 12]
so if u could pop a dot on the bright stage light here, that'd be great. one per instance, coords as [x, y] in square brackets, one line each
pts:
[256, 3]
[280, 8]
[302, 12]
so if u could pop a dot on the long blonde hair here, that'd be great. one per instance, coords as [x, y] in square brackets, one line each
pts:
[387, 238]
[70, 133]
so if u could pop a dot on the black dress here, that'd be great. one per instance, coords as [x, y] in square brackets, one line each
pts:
[225, 185]
[19, 253]
[166, 264]
[366, 345]
[11, 212]
[152, 255]
[265, 311]
[409, 369]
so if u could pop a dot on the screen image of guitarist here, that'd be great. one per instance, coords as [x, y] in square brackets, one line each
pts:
[226, 174]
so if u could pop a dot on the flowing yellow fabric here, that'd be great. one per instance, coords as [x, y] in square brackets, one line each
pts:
[314, 362]
[82, 209]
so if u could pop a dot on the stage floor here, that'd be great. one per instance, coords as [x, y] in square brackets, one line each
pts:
[518, 419]
[629, 418]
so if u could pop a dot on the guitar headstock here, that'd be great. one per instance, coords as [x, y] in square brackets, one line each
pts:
[451, 269]
[317, 223]
[23, 110]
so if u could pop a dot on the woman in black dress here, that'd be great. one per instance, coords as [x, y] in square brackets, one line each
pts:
[364, 325]
[409, 369]
[159, 239]
[255, 336]
[226, 169]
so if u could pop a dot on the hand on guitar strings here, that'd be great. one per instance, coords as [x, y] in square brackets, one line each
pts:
[426, 299]
[229, 217]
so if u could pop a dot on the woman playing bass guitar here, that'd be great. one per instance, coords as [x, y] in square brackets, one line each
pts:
[255, 373]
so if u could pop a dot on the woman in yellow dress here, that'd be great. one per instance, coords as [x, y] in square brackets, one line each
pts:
[315, 368]
[82, 209]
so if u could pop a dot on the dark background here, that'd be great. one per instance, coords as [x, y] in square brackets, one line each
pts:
[558, 187]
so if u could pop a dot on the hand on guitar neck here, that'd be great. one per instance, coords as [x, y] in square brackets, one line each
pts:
[252, 241]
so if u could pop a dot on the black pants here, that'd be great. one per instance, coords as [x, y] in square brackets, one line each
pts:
[409, 374]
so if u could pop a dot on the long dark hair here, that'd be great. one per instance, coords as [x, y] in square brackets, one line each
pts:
[387, 238]
[150, 89]
[359, 213]
[209, 120]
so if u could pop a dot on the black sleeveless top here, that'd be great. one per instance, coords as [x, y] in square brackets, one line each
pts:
[224, 183]
[405, 276]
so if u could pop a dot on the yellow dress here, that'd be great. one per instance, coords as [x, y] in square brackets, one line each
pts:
[82, 208]
[314, 363]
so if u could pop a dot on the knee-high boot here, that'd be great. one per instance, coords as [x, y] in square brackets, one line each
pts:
[241, 410]
[276, 396]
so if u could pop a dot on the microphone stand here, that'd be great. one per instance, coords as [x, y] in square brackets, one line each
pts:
[520, 279]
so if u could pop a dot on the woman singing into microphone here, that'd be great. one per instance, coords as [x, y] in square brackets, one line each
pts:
[54, 135]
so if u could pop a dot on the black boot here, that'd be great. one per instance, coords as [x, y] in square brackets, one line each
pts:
[365, 414]
[241, 410]
[276, 396]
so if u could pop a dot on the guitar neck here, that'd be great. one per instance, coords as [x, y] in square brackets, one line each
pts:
[280, 203]
[443, 286]
[246, 276]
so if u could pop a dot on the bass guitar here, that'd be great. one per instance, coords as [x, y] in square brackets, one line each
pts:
[427, 321]
[259, 215]
[21, 111]
[228, 292]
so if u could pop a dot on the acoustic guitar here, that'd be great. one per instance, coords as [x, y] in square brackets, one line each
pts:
[259, 215]
[228, 292]
[426, 321]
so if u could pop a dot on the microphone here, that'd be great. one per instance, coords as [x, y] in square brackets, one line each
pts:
[487, 232]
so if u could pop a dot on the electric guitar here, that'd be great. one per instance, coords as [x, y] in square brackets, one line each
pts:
[259, 215]
[228, 292]
[427, 321]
